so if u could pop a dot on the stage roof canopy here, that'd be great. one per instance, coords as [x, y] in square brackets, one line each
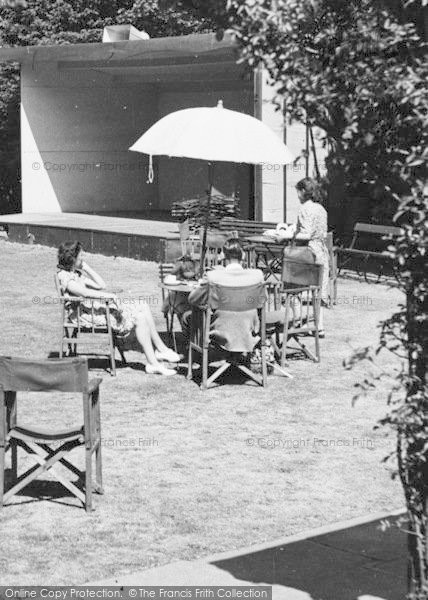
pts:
[183, 58]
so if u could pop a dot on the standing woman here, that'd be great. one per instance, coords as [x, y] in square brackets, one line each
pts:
[312, 226]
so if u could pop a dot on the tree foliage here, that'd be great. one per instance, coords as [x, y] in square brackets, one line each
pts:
[358, 70]
[45, 22]
[337, 65]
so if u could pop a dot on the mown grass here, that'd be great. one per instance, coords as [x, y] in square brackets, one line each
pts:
[189, 473]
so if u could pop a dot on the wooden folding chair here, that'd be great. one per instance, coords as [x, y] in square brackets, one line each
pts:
[189, 239]
[233, 299]
[49, 448]
[298, 304]
[214, 252]
[164, 270]
[78, 333]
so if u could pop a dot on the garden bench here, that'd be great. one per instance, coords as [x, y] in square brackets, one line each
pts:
[245, 228]
[368, 242]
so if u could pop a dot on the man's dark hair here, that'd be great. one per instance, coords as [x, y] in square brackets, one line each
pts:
[311, 189]
[232, 249]
[67, 254]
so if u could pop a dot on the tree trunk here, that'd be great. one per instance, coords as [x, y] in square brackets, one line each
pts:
[415, 463]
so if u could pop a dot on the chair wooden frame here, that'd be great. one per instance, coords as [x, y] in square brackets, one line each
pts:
[201, 327]
[305, 299]
[189, 239]
[73, 334]
[48, 449]
[164, 270]
[191, 244]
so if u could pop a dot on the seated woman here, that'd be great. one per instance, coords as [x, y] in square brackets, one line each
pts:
[185, 269]
[77, 278]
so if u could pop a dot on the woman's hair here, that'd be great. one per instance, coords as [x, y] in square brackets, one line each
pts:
[232, 249]
[186, 268]
[311, 189]
[67, 254]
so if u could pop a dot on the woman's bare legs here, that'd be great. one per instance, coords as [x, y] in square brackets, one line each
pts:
[143, 334]
[151, 327]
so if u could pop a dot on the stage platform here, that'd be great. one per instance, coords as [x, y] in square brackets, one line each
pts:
[112, 236]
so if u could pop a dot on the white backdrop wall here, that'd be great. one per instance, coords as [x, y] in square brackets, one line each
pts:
[77, 127]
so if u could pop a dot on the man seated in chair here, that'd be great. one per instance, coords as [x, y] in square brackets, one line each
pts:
[233, 331]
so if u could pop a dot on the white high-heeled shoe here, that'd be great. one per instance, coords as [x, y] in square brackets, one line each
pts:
[160, 370]
[168, 355]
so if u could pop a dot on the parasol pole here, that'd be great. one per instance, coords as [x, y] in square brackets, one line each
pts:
[207, 216]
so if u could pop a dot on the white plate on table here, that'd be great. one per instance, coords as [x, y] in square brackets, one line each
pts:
[170, 281]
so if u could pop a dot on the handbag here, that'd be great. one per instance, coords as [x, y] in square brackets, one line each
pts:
[299, 253]
[297, 265]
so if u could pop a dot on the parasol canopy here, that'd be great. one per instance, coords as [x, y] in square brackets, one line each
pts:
[214, 134]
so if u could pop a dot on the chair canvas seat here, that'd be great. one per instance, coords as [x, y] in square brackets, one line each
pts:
[277, 317]
[44, 435]
[84, 339]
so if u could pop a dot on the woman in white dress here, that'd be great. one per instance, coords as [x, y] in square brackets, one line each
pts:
[77, 278]
[311, 226]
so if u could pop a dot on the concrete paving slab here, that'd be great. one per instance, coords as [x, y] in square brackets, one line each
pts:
[322, 572]
[368, 540]
[359, 562]
[392, 566]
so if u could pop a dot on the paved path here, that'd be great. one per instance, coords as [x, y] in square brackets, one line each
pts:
[347, 561]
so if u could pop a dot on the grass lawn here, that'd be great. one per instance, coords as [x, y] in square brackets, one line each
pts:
[190, 473]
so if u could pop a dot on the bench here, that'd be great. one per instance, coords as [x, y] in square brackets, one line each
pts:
[244, 227]
[368, 242]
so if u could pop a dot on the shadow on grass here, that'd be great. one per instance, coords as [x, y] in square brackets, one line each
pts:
[41, 490]
[99, 363]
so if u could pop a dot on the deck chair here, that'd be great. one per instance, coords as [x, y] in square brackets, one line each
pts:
[191, 244]
[228, 298]
[73, 334]
[297, 303]
[215, 242]
[49, 448]
[189, 239]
